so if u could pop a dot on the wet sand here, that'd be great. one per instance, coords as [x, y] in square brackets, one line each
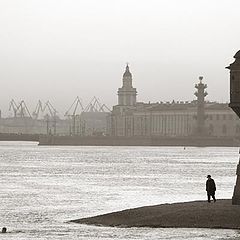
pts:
[197, 214]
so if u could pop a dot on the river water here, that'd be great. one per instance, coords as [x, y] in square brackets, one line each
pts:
[42, 188]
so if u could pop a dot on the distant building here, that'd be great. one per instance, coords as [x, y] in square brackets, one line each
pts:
[131, 118]
[196, 118]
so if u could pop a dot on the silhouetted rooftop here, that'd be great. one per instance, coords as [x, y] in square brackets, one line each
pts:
[237, 55]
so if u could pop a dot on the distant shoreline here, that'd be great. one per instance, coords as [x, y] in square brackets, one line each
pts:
[197, 214]
[193, 141]
[157, 141]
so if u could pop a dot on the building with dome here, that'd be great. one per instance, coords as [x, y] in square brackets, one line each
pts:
[196, 118]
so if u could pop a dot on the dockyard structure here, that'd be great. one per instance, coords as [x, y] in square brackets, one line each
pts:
[171, 119]
[45, 120]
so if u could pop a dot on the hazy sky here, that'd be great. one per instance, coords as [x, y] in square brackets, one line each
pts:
[59, 49]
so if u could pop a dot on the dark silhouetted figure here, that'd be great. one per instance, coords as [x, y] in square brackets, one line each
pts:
[210, 188]
[4, 230]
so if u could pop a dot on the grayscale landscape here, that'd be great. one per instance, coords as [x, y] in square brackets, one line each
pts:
[119, 119]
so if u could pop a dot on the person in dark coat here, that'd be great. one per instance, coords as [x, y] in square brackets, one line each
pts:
[210, 188]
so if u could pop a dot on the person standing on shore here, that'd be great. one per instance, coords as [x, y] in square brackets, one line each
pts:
[210, 188]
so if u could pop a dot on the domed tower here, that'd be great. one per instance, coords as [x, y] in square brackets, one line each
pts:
[127, 95]
[235, 105]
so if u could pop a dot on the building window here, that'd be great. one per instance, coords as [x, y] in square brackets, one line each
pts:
[224, 117]
[230, 117]
[217, 117]
[210, 117]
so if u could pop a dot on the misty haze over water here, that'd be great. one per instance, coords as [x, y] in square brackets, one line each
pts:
[57, 50]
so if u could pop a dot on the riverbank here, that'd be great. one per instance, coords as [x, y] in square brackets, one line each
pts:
[193, 141]
[19, 137]
[197, 214]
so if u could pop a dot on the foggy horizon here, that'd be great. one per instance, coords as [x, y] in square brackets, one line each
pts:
[58, 50]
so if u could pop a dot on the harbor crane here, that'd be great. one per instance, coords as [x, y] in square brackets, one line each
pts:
[96, 106]
[38, 110]
[44, 110]
[74, 113]
[13, 106]
[47, 112]
[19, 110]
[48, 107]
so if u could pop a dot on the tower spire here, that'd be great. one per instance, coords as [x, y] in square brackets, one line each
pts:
[200, 94]
[127, 94]
[127, 72]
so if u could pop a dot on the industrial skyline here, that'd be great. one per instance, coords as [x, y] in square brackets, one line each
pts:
[130, 117]
[33, 109]
[41, 109]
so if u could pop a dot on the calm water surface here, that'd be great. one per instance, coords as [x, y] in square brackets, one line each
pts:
[41, 188]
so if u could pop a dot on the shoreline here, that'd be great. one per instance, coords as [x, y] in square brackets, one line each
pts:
[196, 214]
[193, 141]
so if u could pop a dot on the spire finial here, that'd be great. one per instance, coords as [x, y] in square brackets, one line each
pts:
[127, 72]
[127, 66]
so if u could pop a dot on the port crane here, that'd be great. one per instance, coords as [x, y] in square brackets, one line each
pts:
[95, 106]
[48, 107]
[48, 113]
[74, 114]
[38, 110]
[19, 110]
